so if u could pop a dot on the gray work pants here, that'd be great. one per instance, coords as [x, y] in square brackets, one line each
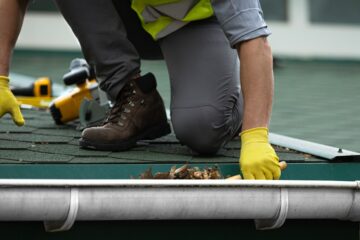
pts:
[103, 40]
[206, 101]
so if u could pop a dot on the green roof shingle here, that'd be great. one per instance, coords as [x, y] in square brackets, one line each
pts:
[46, 142]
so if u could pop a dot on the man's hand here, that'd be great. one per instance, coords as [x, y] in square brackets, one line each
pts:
[8, 103]
[258, 159]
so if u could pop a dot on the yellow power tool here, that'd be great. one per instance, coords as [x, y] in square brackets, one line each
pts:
[66, 107]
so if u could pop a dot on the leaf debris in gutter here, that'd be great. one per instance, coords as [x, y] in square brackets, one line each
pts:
[184, 172]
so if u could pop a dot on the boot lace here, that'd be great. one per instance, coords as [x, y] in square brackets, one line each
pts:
[122, 106]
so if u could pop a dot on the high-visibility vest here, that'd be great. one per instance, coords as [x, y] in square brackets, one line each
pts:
[162, 17]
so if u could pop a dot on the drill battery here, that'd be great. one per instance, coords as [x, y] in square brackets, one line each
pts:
[38, 94]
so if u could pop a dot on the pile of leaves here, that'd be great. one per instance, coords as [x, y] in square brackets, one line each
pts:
[184, 172]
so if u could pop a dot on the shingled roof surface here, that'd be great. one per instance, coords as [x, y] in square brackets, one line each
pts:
[42, 141]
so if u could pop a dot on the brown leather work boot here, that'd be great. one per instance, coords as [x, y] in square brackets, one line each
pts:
[138, 114]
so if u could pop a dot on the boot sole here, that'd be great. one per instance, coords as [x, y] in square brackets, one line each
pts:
[149, 134]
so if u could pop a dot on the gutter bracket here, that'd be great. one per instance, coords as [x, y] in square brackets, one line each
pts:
[59, 226]
[279, 220]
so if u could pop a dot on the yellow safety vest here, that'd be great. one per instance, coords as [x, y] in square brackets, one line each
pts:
[162, 17]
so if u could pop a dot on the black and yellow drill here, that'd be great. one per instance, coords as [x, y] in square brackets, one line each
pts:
[67, 107]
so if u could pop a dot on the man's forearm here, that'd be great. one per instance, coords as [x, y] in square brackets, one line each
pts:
[258, 160]
[11, 18]
[257, 82]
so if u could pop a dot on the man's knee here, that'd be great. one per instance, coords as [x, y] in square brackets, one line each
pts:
[201, 129]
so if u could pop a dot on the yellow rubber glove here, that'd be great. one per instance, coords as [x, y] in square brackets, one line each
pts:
[258, 159]
[8, 103]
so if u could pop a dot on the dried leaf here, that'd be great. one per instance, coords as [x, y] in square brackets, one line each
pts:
[162, 175]
[181, 172]
[147, 174]
[198, 175]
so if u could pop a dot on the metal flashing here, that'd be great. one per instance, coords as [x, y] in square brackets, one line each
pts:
[316, 149]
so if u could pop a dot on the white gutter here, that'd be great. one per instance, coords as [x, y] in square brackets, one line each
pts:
[60, 202]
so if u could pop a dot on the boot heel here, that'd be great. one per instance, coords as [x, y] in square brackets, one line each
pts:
[157, 131]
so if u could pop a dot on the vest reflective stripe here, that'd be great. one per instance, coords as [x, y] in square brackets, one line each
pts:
[162, 17]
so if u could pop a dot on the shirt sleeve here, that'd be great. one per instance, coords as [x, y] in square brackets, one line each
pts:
[241, 20]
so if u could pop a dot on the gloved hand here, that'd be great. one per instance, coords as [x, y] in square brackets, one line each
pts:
[258, 159]
[8, 103]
